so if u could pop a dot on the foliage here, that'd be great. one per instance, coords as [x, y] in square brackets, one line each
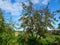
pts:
[37, 20]
[58, 26]
[6, 32]
[48, 40]
[2, 26]
[35, 23]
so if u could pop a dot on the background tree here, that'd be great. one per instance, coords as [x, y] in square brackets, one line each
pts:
[58, 31]
[1, 22]
[37, 20]
[59, 26]
[6, 32]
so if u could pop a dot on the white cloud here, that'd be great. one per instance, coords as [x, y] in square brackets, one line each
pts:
[45, 2]
[35, 1]
[20, 0]
[14, 9]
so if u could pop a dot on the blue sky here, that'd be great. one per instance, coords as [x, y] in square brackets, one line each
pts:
[14, 7]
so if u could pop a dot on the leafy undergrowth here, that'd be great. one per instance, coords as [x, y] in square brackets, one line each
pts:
[28, 39]
[47, 39]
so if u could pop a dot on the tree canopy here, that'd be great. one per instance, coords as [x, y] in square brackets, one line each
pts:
[37, 20]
